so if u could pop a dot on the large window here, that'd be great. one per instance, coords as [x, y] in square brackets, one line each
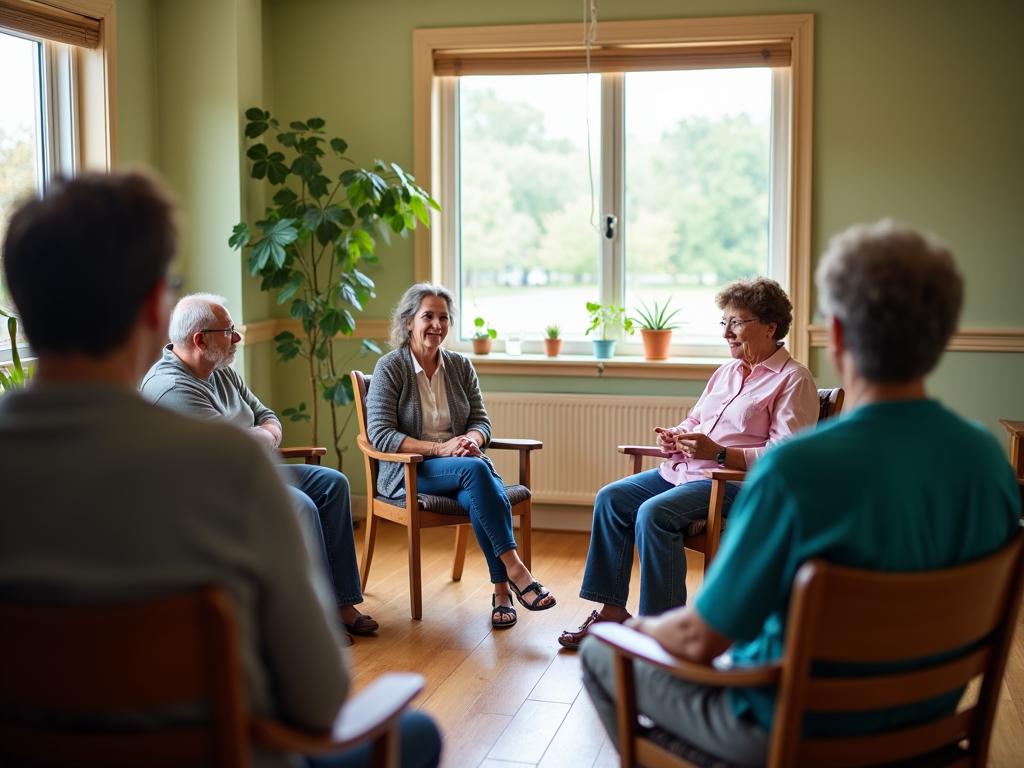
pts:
[694, 171]
[56, 99]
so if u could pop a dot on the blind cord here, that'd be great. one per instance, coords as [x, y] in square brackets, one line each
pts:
[590, 36]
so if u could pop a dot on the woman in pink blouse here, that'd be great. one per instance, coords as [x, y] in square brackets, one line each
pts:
[752, 402]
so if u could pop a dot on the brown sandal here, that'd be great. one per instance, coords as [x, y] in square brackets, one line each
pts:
[572, 640]
[364, 625]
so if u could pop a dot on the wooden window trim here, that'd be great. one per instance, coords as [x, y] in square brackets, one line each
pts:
[797, 29]
[97, 72]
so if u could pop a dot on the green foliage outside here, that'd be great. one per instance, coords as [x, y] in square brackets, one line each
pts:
[313, 244]
[696, 202]
[13, 375]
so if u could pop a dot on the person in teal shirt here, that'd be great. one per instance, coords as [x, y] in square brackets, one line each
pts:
[899, 483]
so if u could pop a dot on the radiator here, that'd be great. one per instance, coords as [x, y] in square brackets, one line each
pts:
[580, 434]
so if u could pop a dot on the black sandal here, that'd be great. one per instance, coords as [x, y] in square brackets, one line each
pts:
[500, 611]
[535, 586]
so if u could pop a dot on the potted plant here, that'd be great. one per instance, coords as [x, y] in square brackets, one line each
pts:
[607, 318]
[313, 244]
[483, 336]
[656, 329]
[13, 375]
[552, 340]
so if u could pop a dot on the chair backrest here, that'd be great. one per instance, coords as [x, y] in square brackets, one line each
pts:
[360, 383]
[79, 663]
[830, 402]
[965, 614]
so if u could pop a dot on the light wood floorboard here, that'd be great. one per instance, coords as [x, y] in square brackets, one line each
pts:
[513, 698]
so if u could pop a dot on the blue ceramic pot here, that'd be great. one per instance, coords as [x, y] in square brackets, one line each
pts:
[603, 350]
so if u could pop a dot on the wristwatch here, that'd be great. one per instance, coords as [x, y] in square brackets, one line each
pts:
[720, 458]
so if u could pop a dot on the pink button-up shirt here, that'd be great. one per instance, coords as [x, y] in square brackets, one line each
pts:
[775, 400]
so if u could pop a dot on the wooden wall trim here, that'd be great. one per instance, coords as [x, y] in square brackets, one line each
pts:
[266, 330]
[964, 340]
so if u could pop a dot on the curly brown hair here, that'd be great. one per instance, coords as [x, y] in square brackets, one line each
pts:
[764, 298]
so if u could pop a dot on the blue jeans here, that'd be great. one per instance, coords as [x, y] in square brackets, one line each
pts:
[321, 496]
[477, 487]
[649, 511]
[420, 747]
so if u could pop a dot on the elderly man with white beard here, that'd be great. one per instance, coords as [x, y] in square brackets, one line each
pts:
[194, 377]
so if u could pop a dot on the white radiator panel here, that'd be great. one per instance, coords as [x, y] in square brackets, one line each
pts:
[580, 434]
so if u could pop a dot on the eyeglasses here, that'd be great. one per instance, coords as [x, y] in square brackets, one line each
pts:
[230, 333]
[735, 325]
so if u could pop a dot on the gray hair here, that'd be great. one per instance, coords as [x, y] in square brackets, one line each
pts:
[193, 313]
[406, 308]
[897, 294]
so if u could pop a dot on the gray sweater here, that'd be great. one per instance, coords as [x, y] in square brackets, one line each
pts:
[393, 410]
[223, 396]
[108, 498]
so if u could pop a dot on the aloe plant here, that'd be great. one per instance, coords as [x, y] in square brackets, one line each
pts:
[552, 331]
[13, 375]
[656, 319]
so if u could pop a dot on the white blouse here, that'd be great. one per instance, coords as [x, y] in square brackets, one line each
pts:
[437, 421]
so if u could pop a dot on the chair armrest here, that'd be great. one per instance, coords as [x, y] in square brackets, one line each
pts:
[1015, 428]
[735, 475]
[302, 452]
[401, 458]
[513, 444]
[632, 644]
[366, 715]
[643, 450]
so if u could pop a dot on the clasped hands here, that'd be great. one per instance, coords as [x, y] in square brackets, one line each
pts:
[693, 445]
[459, 447]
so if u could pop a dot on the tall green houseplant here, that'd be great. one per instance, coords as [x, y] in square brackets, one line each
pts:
[311, 246]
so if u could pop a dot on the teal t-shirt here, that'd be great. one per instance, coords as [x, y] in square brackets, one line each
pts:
[899, 486]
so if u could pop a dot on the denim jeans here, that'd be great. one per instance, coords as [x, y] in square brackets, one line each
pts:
[321, 495]
[419, 747]
[649, 511]
[477, 487]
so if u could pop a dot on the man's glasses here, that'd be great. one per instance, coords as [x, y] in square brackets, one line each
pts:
[230, 333]
[735, 325]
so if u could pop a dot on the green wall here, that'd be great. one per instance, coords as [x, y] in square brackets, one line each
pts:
[917, 115]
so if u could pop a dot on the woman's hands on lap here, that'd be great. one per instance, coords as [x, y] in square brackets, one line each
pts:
[459, 447]
[694, 445]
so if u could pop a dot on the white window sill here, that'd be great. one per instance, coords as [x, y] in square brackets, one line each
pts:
[618, 367]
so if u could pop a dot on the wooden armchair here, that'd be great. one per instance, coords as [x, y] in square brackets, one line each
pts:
[704, 536]
[417, 511]
[964, 615]
[1016, 430]
[309, 454]
[87, 661]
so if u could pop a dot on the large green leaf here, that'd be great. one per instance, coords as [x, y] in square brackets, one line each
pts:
[339, 146]
[315, 123]
[318, 186]
[276, 235]
[306, 167]
[420, 210]
[369, 345]
[240, 236]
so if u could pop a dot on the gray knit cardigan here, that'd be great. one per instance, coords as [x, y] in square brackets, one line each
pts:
[393, 410]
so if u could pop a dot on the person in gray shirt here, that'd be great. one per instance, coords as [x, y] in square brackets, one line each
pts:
[194, 377]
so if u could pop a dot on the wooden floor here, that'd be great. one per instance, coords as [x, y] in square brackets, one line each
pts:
[513, 698]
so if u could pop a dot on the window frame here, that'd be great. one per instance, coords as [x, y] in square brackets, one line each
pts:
[79, 115]
[433, 165]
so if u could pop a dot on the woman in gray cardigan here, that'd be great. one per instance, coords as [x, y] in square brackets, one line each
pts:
[426, 399]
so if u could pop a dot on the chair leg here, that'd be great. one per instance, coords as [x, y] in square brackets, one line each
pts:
[370, 540]
[713, 534]
[526, 534]
[461, 539]
[415, 583]
[385, 749]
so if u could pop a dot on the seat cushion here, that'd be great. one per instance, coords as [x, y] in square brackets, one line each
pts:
[697, 527]
[685, 750]
[444, 505]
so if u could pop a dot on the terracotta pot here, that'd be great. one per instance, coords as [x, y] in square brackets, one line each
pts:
[482, 346]
[656, 344]
[552, 347]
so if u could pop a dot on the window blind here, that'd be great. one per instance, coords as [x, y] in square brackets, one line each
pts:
[49, 23]
[626, 58]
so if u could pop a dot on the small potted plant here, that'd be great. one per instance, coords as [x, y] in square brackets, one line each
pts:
[607, 317]
[656, 328]
[552, 340]
[483, 336]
